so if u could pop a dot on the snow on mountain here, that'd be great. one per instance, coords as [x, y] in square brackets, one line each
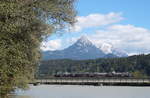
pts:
[84, 49]
[110, 49]
[83, 42]
[119, 52]
[106, 48]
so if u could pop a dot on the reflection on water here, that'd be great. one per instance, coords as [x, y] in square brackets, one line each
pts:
[74, 91]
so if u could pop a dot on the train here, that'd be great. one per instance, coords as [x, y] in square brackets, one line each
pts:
[96, 74]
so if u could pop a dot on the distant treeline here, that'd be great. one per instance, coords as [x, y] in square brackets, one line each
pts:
[138, 66]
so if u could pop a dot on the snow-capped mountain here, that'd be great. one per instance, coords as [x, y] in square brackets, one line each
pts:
[119, 52]
[106, 48]
[83, 49]
[109, 49]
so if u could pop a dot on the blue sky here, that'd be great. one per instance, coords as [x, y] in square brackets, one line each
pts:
[135, 11]
[123, 24]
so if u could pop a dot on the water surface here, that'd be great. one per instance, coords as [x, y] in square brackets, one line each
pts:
[75, 91]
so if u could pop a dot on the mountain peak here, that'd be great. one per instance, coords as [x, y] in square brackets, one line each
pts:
[84, 40]
[84, 49]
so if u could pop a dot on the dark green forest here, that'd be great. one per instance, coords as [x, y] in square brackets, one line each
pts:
[137, 65]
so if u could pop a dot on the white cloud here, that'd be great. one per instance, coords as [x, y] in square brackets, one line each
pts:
[95, 20]
[133, 39]
[51, 45]
[128, 37]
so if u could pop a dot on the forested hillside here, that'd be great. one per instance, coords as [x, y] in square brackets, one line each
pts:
[138, 65]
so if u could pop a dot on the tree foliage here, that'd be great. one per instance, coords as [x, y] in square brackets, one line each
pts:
[23, 25]
[138, 66]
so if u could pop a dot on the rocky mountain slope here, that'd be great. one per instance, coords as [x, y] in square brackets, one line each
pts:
[84, 49]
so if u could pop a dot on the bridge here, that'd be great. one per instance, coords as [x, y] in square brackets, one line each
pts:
[95, 81]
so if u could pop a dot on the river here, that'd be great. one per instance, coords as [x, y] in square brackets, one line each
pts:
[78, 91]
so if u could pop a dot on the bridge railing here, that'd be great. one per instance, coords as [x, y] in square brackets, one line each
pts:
[93, 80]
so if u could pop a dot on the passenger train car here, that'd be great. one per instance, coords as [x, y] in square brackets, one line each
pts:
[111, 74]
